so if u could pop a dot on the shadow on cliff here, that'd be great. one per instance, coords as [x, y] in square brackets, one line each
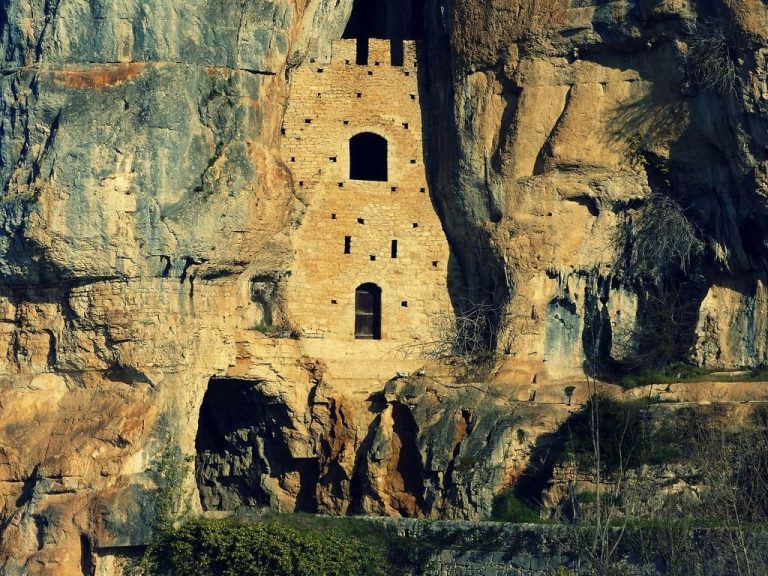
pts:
[476, 270]
[683, 138]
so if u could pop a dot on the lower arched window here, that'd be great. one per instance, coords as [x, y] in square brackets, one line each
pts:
[368, 312]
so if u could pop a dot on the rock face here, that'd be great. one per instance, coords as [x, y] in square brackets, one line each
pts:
[149, 222]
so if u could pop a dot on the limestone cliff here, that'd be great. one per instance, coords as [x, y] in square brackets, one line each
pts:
[149, 221]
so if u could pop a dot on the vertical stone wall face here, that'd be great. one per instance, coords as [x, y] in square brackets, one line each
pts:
[331, 102]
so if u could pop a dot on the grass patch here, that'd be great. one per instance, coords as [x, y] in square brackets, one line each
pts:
[507, 507]
[627, 437]
[680, 372]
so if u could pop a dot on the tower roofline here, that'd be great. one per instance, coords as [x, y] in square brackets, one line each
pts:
[344, 51]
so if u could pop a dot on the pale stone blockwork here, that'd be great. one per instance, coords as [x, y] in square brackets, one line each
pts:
[331, 102]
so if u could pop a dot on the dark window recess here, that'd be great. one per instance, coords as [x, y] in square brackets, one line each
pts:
[334, 302]
[422, 189]
[320, 70]
[394, 188]
[434, 264]
[359, 94]
[415, 224]
[394, 249]
[346, 122]
[373, 258]
[413, 96]
[282, 131]
[361, 220]
[370, 72]
[413, 160]
[397, 55]
[368, 157]
[347, 244]
[405, 125]
[407, 73]
[333, 216]
[318, 94]
[368, 312]
[332, 158]
[307, 120]
[293, 158]
[301, 183]
[341, 184]
[404, 304]
[361, 56]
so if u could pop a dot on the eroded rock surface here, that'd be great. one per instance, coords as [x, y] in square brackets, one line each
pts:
[146, 225]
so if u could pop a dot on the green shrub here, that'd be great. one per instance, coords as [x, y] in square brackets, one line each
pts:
[269, 548]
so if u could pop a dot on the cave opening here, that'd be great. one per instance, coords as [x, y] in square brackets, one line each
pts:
[242, 450]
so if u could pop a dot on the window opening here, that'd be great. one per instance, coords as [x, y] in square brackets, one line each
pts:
[347, 244]
[361, 56]
[397, 53]
[394, 249]
[368, 157]
[368, 312]
[361, 220]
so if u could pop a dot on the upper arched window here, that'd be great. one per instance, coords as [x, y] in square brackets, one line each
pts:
[368, 312]
[368, 157]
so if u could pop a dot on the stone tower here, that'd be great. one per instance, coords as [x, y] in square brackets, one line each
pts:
[371, 255]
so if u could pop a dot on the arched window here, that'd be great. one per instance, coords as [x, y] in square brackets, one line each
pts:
[368, 157]
[368, 312]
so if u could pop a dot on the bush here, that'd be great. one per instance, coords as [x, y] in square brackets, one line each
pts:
[270, 548]
[710, 58]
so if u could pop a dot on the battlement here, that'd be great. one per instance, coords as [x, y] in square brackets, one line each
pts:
[379, 52]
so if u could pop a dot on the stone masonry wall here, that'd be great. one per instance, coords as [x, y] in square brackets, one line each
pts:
[330, 102]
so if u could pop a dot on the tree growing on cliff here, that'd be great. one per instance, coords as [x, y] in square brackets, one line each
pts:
[658, 245]
[466, 339]
[711, 59]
